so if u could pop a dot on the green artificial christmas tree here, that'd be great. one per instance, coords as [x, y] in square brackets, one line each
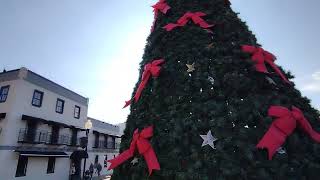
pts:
[211, 104]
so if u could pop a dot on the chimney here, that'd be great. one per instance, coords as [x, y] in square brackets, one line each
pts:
[23, 73]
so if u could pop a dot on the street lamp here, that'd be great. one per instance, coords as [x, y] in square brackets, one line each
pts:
[87, 126]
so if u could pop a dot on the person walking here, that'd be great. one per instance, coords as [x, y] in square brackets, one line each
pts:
[99, 168]
[91, 169]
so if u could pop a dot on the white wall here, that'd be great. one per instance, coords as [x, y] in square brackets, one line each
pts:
[36, 168]
[19, 103]
[6, 107]
[22, 92]
[47, 110]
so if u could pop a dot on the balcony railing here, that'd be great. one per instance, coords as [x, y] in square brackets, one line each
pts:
[44, 137]
[32, 136]
[106, 145]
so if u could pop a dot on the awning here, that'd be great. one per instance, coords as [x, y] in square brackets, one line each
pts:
[113, 135]
[79, 154]
[42, 153]
[35, 119]
[2, 115]
[108, 134]
[49, 122]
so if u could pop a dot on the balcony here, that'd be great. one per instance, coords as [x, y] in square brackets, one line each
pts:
[32, 136]
[53, 139]
[106, 145]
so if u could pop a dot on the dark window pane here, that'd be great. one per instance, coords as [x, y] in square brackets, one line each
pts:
[4, 91]
[22, 166]
[51, 165]
[35, 102]
[77, 112]
[37, 98]
[59, 106]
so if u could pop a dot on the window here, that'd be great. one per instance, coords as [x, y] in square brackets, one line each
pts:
[77, 112]
[111, 142]
[4, 91]
[55, 134]
[74, 137]
[60, 106]
[22, 166]
[96, 141]
[37, 98]
[31, 132]
[51, 165]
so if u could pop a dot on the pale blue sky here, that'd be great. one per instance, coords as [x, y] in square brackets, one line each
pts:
[94, 46]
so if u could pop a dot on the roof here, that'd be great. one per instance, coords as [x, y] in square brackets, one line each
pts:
[105, 126]
[43, 82]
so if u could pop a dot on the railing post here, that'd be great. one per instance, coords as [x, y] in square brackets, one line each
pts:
[39, 140]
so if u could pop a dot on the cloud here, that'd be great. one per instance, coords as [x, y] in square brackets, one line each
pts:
[314, 84]
[316, 76]
[312, 87]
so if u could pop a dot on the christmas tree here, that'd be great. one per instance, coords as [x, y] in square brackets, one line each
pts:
[211, 104]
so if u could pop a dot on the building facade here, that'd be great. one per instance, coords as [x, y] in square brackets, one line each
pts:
[41, 124]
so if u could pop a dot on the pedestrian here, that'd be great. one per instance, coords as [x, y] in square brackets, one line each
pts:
[99, 168]
[91, 169]
[73, 172]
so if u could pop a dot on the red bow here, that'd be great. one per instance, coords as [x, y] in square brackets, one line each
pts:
[285, 123]
[260, 57]
[139, 141]
[195, 17]
[150, 69]
[161, 6]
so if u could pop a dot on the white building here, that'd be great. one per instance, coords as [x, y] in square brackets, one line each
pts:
[41, 124]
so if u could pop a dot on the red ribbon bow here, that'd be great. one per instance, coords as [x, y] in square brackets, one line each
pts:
[150, 69]
[260, 57]
[195, 17]
[285, 123]
[161, 6]
[139, 141]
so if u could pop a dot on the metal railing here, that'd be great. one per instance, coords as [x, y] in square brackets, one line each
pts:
[44, 137]
[32, 136]
[106, 145]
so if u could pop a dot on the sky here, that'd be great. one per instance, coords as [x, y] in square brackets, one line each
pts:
[94, 47]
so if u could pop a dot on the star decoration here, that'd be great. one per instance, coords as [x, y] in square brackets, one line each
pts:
[190, 67]
[134, 161]
[281, 150]
[208, 140]
[211, 80]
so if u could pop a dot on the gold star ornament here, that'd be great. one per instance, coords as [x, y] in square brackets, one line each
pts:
[190, 67]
